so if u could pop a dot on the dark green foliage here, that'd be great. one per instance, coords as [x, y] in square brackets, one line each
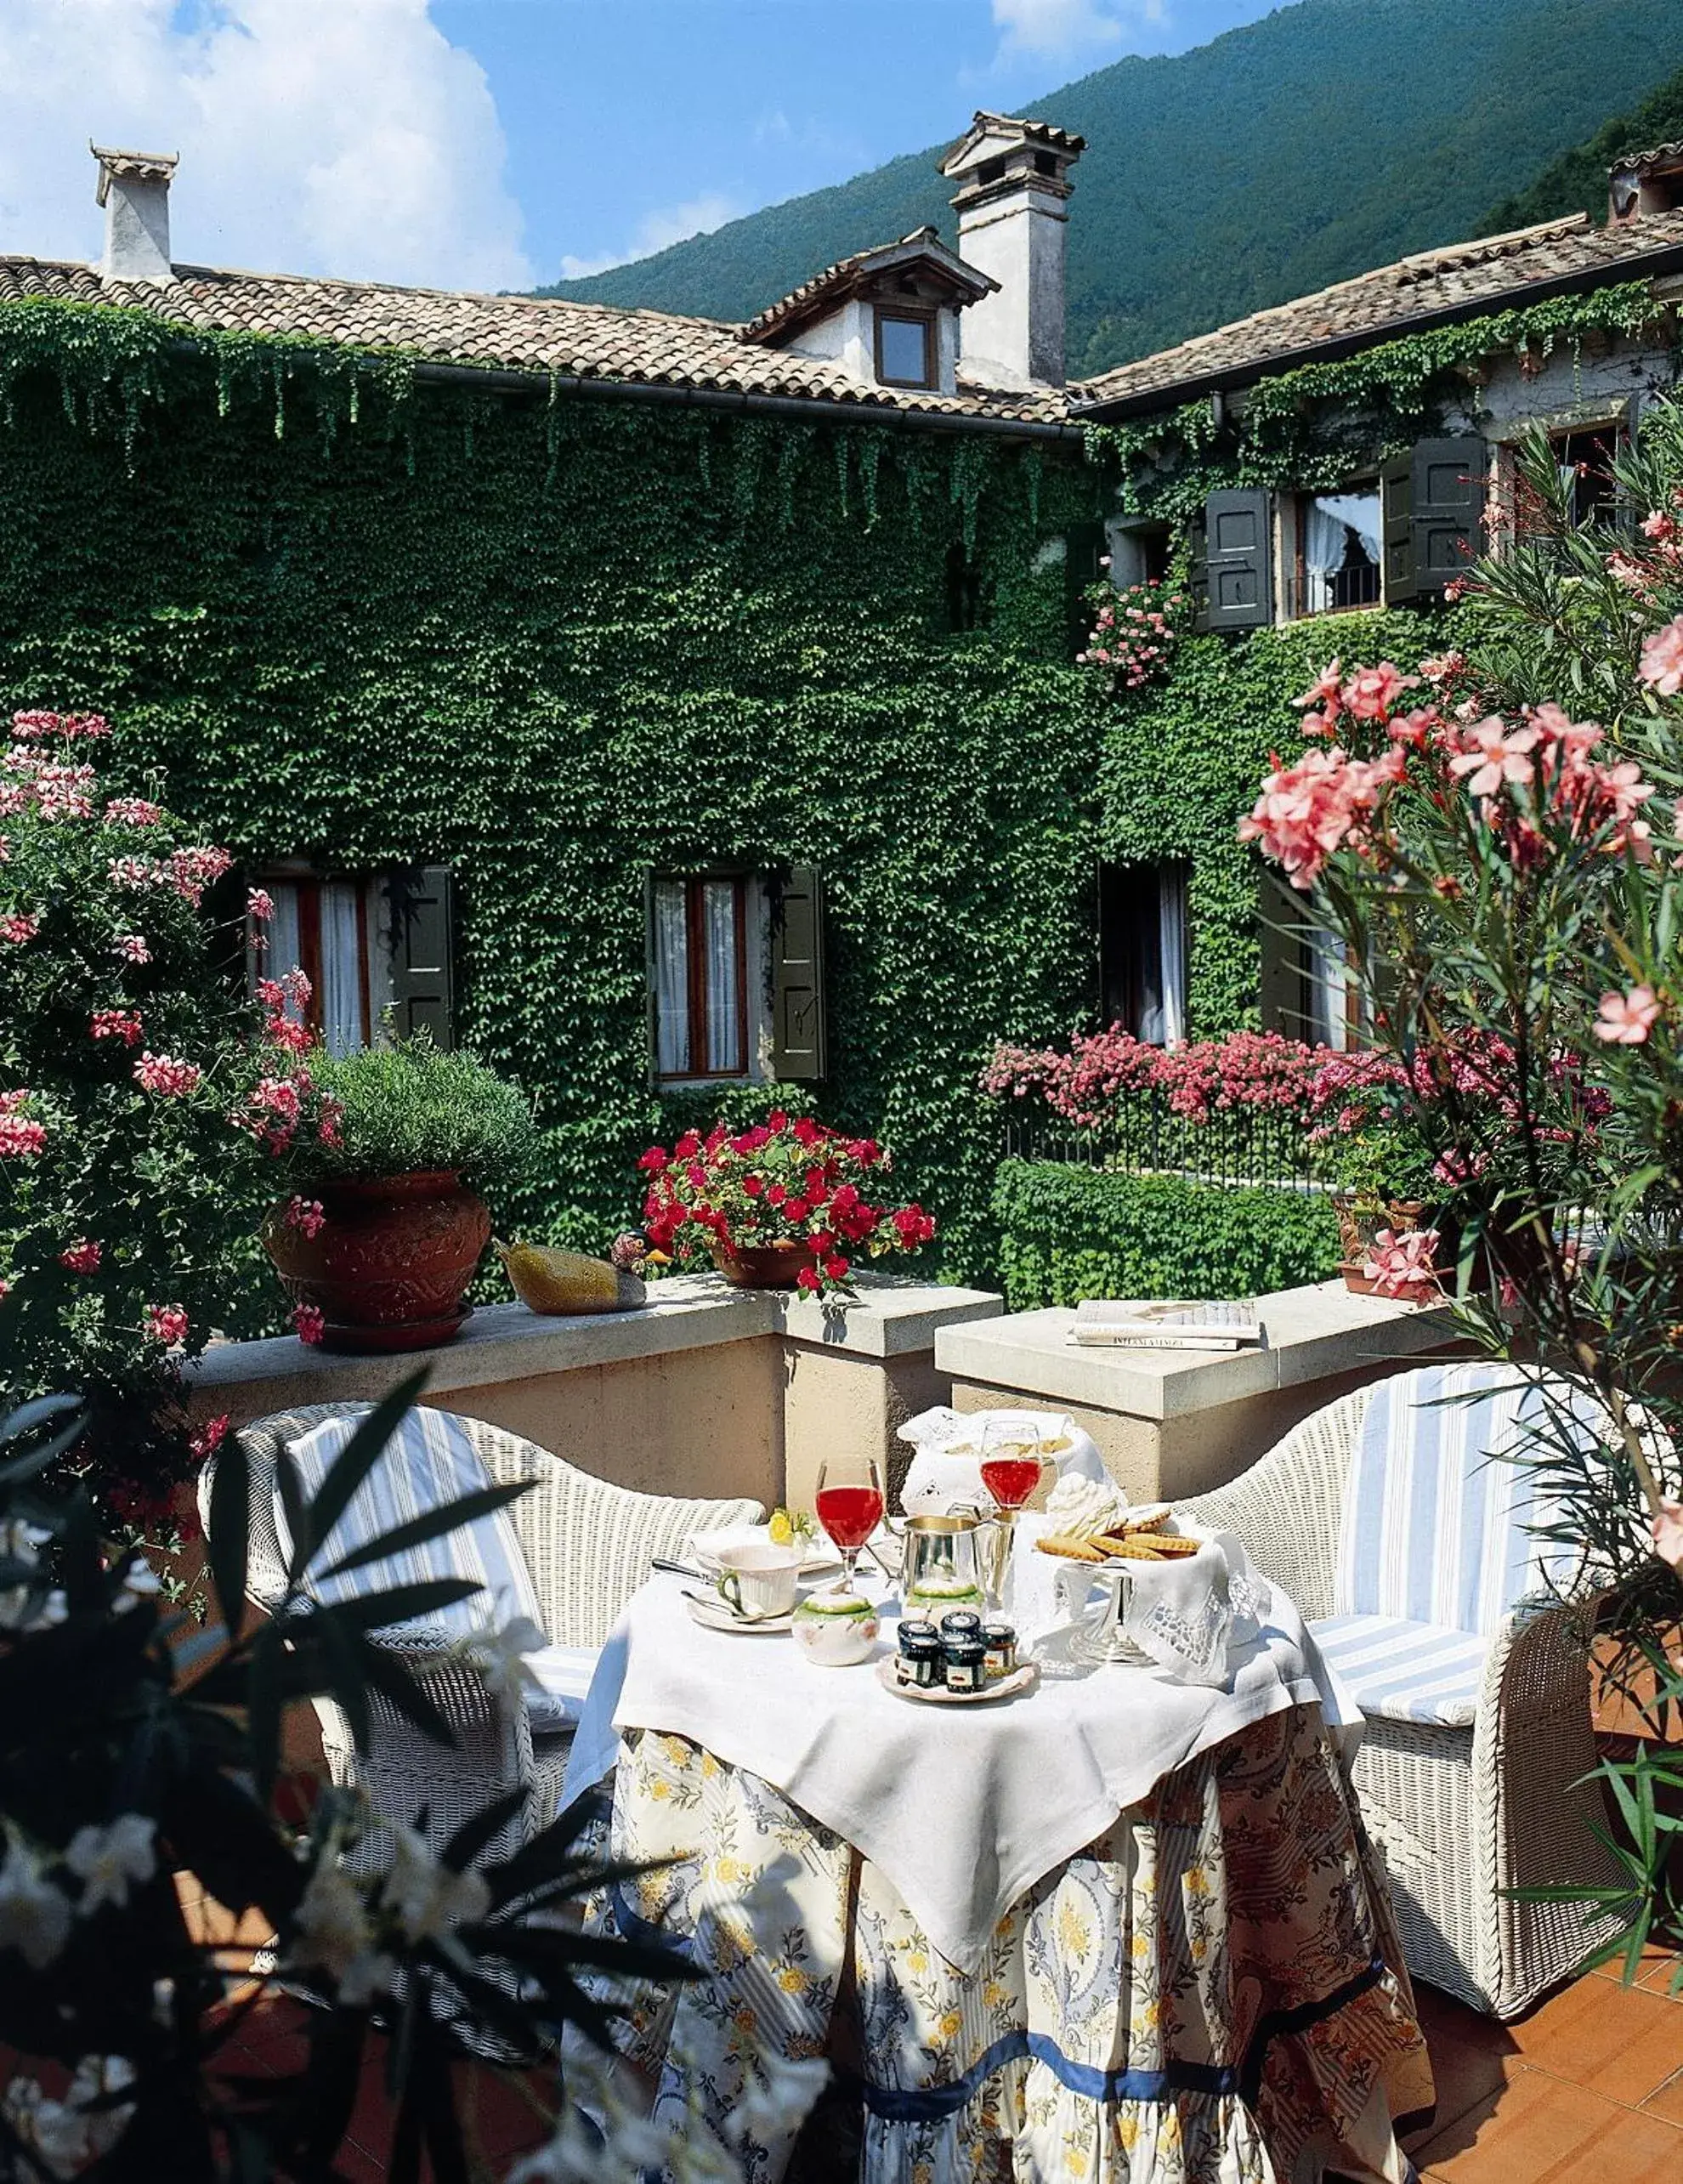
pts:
[1183, 761]
[598, 637]
[1069, 1233]
[1328, 138]
[1577, 182]
[411, 1107]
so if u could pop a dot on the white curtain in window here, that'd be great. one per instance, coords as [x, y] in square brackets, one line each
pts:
[341, 996]
[724, 1029]
[285, 948]
[1171, 929]
[671, 979]
[1328, 522]
[1329, 982]
[1360, 511]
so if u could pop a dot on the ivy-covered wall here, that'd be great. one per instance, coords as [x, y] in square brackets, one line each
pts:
[367, 621]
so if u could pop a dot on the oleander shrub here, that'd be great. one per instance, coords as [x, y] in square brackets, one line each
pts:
[1068, 1233]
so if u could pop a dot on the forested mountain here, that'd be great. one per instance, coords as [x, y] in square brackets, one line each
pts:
[1331, 136]
[1577, 182]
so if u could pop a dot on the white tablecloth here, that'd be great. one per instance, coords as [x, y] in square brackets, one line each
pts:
[963, 1809]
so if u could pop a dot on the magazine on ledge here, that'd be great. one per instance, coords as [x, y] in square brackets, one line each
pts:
[1165, 1323]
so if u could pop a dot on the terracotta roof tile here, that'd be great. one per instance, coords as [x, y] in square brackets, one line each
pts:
[1492, 274]
[515, 333]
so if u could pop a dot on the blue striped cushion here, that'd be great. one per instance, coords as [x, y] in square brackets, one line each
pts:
[1405, 1671]
[428, 1460]
[1435, 1521]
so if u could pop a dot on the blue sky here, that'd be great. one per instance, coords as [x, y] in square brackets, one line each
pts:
[496, 144]
[631, 124]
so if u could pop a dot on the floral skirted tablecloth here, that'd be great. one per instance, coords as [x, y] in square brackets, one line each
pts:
[1210, 1992]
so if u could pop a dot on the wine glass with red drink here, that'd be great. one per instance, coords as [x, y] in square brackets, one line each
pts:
[1010, 1467]
[850, 1505]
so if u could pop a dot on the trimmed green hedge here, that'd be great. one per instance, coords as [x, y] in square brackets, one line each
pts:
[1070, 1233]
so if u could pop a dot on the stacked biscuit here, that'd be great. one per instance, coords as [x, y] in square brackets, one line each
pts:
[1092, 1523]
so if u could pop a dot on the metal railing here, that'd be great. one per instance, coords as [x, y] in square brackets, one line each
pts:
[1144, 1135]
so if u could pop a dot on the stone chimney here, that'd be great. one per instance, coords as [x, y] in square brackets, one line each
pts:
[1013, 188]
[134, 190]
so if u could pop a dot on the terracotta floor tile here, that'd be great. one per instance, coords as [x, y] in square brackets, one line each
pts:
[1471, 2058]
[1621, 2042]
[1660, 1975]
[1668, 2102]
[1545, 2131]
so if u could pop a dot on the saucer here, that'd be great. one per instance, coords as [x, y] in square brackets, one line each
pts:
[720, 1619]
[1022, 1678]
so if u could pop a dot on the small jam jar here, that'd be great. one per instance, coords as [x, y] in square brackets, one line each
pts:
[1001, 1641]
[960, 1623]
[922, 1662]
[967, 1662]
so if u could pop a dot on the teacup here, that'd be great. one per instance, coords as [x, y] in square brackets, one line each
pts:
[758, 1580]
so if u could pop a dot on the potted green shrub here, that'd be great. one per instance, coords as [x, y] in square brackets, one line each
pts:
[385, 1227]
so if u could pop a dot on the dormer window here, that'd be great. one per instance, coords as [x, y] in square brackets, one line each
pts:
[905, 346]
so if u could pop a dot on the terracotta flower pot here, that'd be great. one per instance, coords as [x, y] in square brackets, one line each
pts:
[762, 1266]
[389, 1267]
[1359, 1222]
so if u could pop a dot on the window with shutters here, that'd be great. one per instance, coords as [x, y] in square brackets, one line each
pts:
[1233, 577]
[1585, 457]
[1432, 506]
[1338, 549]
[735, 976]
[1142, 950]
[1308, 991]
[377, 948]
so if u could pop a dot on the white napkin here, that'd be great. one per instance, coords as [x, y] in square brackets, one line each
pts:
[946, 1472]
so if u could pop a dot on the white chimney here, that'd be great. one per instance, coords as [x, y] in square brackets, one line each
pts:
[134, 190]
[1014, 186]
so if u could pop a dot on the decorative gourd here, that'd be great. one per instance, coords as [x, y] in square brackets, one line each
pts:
[564, 1282]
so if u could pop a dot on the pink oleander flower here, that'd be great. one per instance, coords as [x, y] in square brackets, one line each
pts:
[307, 1214]
[1658, 525]
[162, 1073]
[1400, 1263]
[1326, 692]
[1371, 693]
[116, 1024]
[260, 904]
[167, 1324]
[133, 811]
[82, 1257]
[1497, 756]
[1626, 1019]
[1308, 811]
[1661, 662]
[308, 1323]
[1667, 1534]
[17, 928]
[1444, 667]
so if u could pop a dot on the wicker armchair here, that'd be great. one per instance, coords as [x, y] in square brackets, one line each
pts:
[588, 1545]
[1462, 1815]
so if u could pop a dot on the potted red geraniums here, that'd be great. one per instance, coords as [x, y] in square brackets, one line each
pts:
[781, 1205]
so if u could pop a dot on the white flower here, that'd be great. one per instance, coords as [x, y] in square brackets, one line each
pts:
[334, 1936]
[35, 1915]
[427, 1898]
[140, 1581]
[106, 1860]
[63, 2136]
[498, 1658]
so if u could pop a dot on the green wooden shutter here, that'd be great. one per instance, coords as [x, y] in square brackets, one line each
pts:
[1083, 555]
[1280, 933]
[1396, 510]
[1238, 561]
[1447, 510]
[424, 975]
[797, 978]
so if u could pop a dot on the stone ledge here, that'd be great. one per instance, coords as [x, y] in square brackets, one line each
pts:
[507, 1342]
[1309, 1334]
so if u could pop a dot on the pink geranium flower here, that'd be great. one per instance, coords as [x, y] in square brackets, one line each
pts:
[167, 1324]
[1626, 1019]
[1661, 662]
[260, 904]
[82, 1258]
[133, 811]
[307, 1214]
[164, 1073]
[309, 1323]
[116, 1024]
[18, 928]
[132, 949]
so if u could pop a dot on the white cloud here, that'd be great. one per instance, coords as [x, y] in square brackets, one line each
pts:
[658, 230]
[342, 137]
[1060, 29]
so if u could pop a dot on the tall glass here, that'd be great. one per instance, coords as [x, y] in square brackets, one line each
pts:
[850, 1503]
